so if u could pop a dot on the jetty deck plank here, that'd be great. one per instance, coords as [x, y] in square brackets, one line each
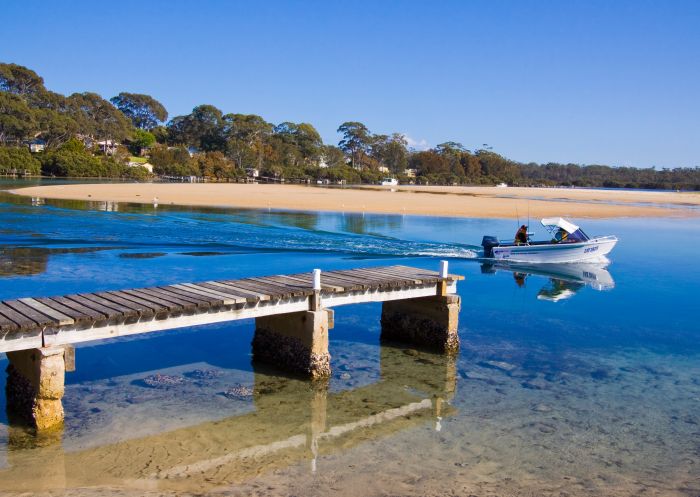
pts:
[109, 312]
[249, 296]
[226, 298]
[198, 302]
[55, 314]
[213, 300]
[95, 315]
[160, 304]
[305, 282]
[33, 315]
[166, 300]
[77, 308]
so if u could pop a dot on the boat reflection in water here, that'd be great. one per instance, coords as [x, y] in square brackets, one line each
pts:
[288, 421]
[565, 280]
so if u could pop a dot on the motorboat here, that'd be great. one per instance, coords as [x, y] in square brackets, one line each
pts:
[564, 280]
[568, 243]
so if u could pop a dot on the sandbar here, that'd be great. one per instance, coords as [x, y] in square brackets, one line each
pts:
[483, 202]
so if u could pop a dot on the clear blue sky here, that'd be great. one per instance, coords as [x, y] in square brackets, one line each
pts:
[614, 82]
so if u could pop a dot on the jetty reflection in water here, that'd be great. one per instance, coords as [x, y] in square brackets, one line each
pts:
[288, 421]
[565, 280]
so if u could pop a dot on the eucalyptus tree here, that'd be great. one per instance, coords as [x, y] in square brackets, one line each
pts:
[391, 151]
[20, 80]
[97, 117]
[17, 120]
[144, 111]
[303, 139]
[247, 139]
[203, 128]
[356, 141]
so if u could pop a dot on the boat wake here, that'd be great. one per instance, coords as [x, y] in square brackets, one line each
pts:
[217, 233]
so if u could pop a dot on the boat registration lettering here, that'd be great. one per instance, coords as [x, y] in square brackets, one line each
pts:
[590, 249]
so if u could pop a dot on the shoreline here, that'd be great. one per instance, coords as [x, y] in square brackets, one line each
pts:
[481, 202]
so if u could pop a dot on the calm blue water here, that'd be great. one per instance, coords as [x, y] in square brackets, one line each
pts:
[563, 384]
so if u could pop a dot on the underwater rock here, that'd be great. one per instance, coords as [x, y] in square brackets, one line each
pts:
[141, 255]
[163, 380]
[545, 428]
[473, 375]
[535, 384]
[204, 374]
[500, 365]
[237, 392]
[600, 374]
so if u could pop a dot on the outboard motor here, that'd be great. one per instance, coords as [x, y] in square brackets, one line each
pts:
[489, 242]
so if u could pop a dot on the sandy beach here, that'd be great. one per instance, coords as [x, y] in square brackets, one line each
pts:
[486, 202]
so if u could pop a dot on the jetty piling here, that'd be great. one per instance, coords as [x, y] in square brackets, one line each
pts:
[293, 315]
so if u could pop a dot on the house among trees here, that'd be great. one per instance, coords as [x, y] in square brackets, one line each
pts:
[37, 145]
[107, 147]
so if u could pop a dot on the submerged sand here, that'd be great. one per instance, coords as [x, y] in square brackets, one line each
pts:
[487, 202]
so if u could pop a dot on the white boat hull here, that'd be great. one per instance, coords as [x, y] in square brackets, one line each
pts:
[593, 250]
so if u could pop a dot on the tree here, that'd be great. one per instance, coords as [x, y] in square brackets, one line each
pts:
[333, 156]
[356, 140]
[303, 139]
[430, 163]
[19, 80]
[17, 120]
[97, 118]
[144, 111]
[203, 128]
[391, 151]
[141, 139]
[72, 160]
[452, 152]
[216, 165]
[247, 139]
[18, 159]
[173, 162]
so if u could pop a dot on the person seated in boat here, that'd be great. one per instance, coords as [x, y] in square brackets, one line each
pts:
[561, 236]
[521, 236]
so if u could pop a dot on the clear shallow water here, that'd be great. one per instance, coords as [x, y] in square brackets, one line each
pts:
[566, 384]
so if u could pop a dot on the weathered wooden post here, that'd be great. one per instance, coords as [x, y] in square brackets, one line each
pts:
[430, 322]
[297, 341]
[35, 385]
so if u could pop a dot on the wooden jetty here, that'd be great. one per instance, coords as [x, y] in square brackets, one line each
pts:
[293, 314]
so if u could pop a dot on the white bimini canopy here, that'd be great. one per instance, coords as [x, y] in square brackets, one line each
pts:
[559, 223]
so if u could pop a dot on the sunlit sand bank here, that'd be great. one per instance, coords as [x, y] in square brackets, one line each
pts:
[489, 202]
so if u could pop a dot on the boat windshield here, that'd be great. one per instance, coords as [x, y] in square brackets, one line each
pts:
[577, 236]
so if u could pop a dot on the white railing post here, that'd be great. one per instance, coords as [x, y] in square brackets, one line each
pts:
[317, 279]
[442, 285]
[443, 269]
[315, 299]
